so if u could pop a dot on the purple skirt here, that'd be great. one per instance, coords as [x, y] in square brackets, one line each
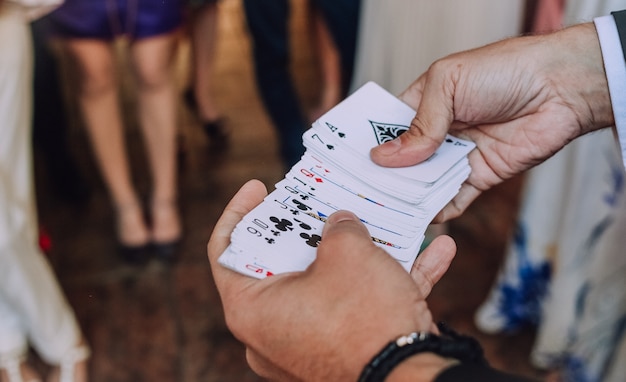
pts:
[107, 19]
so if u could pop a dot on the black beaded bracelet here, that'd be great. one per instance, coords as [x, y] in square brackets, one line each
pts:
[448, 345]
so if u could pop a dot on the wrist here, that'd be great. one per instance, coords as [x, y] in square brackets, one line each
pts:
[423, 367]
[588, 77]
[423, 355]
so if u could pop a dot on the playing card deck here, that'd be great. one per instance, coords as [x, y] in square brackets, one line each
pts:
[336, 173]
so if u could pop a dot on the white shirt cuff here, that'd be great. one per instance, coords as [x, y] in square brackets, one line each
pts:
[615, 67]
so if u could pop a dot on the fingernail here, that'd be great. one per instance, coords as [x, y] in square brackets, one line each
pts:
[389, 148]
[341, 216]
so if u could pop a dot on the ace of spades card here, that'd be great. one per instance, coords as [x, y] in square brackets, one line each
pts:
[371, 116]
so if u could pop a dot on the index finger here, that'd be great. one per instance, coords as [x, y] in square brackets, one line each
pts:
[249, 196]
[412, 95]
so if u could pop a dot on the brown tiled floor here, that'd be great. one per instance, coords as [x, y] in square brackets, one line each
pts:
[164, 323]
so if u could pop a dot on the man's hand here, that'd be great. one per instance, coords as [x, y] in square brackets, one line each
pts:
[520, 100]
[326, 323]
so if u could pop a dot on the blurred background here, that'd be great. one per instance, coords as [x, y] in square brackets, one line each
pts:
[162, 320]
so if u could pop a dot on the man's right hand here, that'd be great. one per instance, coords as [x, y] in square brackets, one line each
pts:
[520, 100]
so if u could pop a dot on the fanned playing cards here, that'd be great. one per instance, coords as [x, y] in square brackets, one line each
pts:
[336, 173]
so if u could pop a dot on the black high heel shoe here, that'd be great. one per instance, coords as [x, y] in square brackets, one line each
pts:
[166, 251]
[133, 254]
[216, 130]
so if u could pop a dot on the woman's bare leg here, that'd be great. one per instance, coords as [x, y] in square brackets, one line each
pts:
[153, 59]
[98, 99]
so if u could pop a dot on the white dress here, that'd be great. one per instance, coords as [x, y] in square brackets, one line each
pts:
[565, 267]
[32, 306]
[399, 39]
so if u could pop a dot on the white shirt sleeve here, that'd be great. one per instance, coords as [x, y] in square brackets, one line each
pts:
[615, 67]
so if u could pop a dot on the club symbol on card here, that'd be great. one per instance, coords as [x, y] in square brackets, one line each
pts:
[282, 224]
[335, 130]
[294, 212]
[301, 206]
[311, 240]
[303, 225]
[270, 240]
[275, 233]
[385, 132]
[304, 197]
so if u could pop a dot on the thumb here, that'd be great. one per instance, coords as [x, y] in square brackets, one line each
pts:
[433, 263]
[344, 223]
[428, 128]
[344, 233]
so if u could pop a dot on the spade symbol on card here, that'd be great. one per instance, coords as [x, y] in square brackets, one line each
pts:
[385, 132]
[455, 143]
[330, 147]
[335, 129]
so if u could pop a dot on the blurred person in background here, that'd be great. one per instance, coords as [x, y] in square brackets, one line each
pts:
[203, 27]
[33, 308]
[88, 30]
[329, 61]
[565, 253]
[268, 25]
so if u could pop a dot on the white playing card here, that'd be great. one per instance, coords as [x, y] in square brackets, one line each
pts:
[353, 200]
[277, 238]
[320, 211]
[313, 170]
[372, 116]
